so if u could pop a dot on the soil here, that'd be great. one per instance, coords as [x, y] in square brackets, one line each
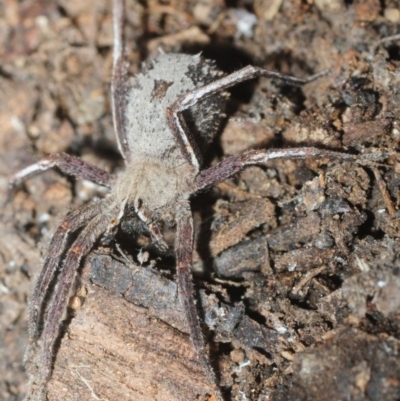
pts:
[296, 263]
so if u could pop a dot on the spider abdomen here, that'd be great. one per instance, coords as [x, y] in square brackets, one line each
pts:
[163, 81]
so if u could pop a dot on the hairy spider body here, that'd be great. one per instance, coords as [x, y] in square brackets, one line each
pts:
[163, 123]
[158, 174]
[151, 187]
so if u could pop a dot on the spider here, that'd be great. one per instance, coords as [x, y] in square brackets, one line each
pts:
[163, 123]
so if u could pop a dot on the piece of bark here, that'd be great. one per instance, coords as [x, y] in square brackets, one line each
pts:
[245, 257]
[128, 338]
[244, 217]
[115, 350]
[301, 230]
[365, 132]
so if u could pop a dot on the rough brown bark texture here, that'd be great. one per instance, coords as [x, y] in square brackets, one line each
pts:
[117, 350]
[304, 303]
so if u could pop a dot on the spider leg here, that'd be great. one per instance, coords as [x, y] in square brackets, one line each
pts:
[153, 229]
[119, 81]
[72, 222]
[245, 74]
[184, 251]
[70, 165]
[234, 164]
[157, 237]
[59, 301]
[176, 120]
[155, 233]
[179, 128]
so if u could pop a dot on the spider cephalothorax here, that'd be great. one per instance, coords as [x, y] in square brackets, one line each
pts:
[163, 122]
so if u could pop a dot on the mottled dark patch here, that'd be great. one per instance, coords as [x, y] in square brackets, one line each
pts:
[204, 119]
[160, 89]
[203, 72]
